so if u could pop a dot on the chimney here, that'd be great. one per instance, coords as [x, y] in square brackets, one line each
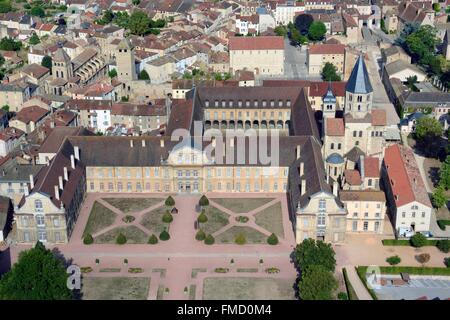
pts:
[335, 188]
[302, 168]
[52, 124]
[131, 143]
[31, 181]
[76, 151]
[213, 142]
[298, 151]
[72, 161]
[303, 187]
[61, 184]
[56, 192]
[26, 192]
[66, 174]
[143, 143]
[161, 142]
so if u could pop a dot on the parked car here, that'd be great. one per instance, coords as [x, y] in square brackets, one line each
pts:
[427, 234]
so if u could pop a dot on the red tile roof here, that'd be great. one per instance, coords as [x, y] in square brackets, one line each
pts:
[404, 176]
[320, 88]
[327, 49]
[379, 117]
[371, 167]
[352, 177]
[256, 43]
[335, 127]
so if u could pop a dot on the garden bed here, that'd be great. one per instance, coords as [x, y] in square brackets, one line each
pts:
[100, 218]
[242, 205]
[127, 205]
[133, 234]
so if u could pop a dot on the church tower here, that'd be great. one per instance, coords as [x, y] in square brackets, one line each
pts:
[126, 68]
[358, 91]
[62, 66]
[329, 103]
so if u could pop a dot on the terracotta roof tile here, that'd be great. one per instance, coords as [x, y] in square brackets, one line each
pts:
[379, 117]
[335, 127]
[256, 43]
[352, 177]
[371, 167]
[327, 49]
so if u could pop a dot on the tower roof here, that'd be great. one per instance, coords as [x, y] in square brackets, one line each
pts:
[329, 96]
[125, 44]
[359, 81]
[61, 56]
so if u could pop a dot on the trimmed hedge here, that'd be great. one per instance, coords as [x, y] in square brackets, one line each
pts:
[121, 239]
[88, 239]
[393, 260]
[169, 201]
[407, 243]
[167, 217]
[272, 239]
[443, 223]
[202, 218]
[164, 236]
[361, 271]
[443, 245]
[153, 239]
[431, 271]
[200, 236]
[209, 239]
[240, 239]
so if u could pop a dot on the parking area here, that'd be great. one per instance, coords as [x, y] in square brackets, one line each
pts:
[419, 287]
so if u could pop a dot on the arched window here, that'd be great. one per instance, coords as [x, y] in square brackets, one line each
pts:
[332, 146]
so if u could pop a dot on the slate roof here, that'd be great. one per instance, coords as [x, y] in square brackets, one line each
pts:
[359, 81]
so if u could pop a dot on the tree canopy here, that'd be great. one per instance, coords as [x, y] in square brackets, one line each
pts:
[439, 198]
[37, 11]
[5, 6]
[139, 23]
[317, 283]
[280, 31]
[427, 127]
[143, 75]
[317, 31]
[34, 39]
[9, 44]
[329, 72]
[47, 62]
[37, 275]
[311, 252]
[444, 174]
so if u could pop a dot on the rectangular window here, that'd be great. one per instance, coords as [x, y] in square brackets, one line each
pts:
[129, 187]
[42, 236]
[26, 236]
[355, 226]
[40, 221]
[366, 225]
[55, 222]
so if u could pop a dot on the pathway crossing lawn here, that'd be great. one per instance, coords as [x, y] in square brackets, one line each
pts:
[251, 235]
[99, 218]
[246, 288]
[115, 288]
[271, 219]
[127, 205]
[153, 221]
[132, 233]
[241, 205]
[216, 220]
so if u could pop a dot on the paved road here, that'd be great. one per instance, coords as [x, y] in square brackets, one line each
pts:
[357, 284]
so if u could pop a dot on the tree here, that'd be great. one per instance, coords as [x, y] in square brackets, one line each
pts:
[420, 44]
[302, 23]
[311, 252]
[143, 75]
[47, 62]
[317, 30]
[428, 132]
[329, 72]
[423, 258]
[121, 239]
[209, 240]
[136, 2]
[202, 218]
[444, 245]
[200, 235]
[317, 283]
[37, 275]
[5, 6]
[418, 240]
[444, 174]
[37, 12]
[272, 239]
[5, 108]
[411, 81]
[112, 73]
[169, 201]
[203, 201]
[8, 44]
[2, 60]
[88, 239]
[439, 198]
[342, 295]
[34, 39]
[393, 260]
[139, 23]
[437, 7]
[240, 239]
[280, 31]
[447, 262]
[153, 239]
[164, 235]
[167, 217]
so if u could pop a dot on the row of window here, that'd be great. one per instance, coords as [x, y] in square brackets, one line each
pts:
[247, 114]
[366, 214]
[376, 226]
[42, 236]
[128, 172]
[40, 221]
[247, 187]
[248, 103]
[413, 214]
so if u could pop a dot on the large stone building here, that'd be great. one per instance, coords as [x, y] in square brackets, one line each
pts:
[125, 61]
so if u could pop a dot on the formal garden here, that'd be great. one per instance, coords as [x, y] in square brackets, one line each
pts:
[115, 288]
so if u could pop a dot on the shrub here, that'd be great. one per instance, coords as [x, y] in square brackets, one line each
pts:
[272, 270]
[423, 258]
[221, 270]
[128, 219]
[202, 218]
[200, 236]
[444, 245]
[272, 239]
[164, 235]
[167, 217]
[170, 201]
[447, 262]
[393, 260]
[241, 219]
[240, 239]
[418, 240]
[88, 239]
[153, 239]
[135, 270]
[85, 269]
[209, 239]
[342, 296]
[203, 201]
[121, 239]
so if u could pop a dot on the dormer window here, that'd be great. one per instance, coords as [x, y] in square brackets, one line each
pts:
[280, 103]
[255, 103]
[216, 103]
[230, 103]
[272, 103]
[288, 103]
[264, 103]
[206, 103]
[240, 103]
[224, 103]
[247, 103]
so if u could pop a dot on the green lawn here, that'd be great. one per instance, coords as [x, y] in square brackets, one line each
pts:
[132, 233]
[251, 235]
[127, 205]
[405, 243]
[245, 288]
[100, 217]
[216, 220]
[153, 221]
[241, 205]
[271, 219]
[115, 288]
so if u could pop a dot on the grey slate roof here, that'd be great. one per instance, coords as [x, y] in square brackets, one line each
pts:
[359, 81]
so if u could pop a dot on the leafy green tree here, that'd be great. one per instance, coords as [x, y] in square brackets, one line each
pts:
[139, 23]
[112, 73]
[317, 31]
[411, 81]
[164, 235]
[167, 217]
[311, 252]
[444, 245]
[343, 295]
[329, 72]
[107, 17]
[2, 60]
[136, 2]
[444, 173]
[37, 275]
[202, 218]
[8, 44]
[5, 7]
[272, 239]
[187, 75]
[203, 201]
[393, 260]
[437, 7]
[169, 201]
[37, 11]
[418, 240]
[280, 31]
[34, 39]
[439, 198]
[200, 235]
[143, 75]
[240, 239]
[209, 240]
[422, 43]
[428, 132]
[121, 19]
[153, 239]
[88, 239]
[121, 239]
[6, 108]
[317, 283]
[47, 62]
